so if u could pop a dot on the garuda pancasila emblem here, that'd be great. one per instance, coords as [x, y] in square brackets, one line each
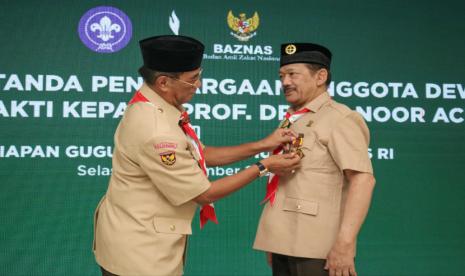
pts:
[243, 28]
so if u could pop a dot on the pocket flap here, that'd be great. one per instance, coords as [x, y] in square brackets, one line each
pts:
[301, 206]
[172, 225]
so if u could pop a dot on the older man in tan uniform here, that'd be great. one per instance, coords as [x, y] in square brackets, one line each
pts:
[159, 173]
[312, 219]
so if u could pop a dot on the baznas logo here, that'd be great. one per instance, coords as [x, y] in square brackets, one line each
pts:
[244, 28]
[105, 29]
[174, 23]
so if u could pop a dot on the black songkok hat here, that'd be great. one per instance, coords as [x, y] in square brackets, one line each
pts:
[171, 53]
[305, 53]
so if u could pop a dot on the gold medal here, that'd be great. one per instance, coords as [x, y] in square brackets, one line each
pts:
[295, 146]
[298, 144]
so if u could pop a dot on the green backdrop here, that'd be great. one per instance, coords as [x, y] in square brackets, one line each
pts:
[403, 60]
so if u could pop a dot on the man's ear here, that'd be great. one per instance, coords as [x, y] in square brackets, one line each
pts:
[322, 76]
[161, 83]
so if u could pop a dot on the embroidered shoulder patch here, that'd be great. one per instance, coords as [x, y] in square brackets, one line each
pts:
[168, 158]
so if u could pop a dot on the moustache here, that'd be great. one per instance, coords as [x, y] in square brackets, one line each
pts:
[288, 88]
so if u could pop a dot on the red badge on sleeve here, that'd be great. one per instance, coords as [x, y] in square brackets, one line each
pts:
[166, 145]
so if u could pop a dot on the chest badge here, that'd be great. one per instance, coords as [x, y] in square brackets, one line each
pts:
[310, 123]
[168, 158]
[295, 146]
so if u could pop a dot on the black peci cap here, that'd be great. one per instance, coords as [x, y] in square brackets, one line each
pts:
[305, 53]
[171, 53]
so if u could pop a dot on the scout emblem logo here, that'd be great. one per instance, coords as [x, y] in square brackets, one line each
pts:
[242, 26]
[290, 49]
[168, 158]
[105, 29]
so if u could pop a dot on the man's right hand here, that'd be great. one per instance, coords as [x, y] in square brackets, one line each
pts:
[279, 137]
[282, 164]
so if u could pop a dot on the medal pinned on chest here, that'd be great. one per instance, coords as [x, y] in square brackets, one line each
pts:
[295, 146]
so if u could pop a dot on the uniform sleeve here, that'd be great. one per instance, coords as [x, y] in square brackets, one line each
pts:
[348, 144]
[173, 169]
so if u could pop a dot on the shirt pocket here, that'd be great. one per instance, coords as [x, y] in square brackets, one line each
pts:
[301, 206]
[172, 225]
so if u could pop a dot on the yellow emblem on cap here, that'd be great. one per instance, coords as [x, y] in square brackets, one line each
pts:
[290, 49]
[168, 158]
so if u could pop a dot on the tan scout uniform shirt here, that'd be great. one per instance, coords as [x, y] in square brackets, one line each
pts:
[142, 222]
[307, 212]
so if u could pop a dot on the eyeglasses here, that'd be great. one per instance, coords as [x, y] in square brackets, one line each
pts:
[188, 83]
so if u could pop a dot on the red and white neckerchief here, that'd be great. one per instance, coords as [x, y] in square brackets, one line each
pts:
[207, 212]
[273, 180]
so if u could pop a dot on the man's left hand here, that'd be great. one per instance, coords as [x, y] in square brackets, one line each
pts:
[340, 259]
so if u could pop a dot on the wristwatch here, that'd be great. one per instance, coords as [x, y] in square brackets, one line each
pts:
[263, 170]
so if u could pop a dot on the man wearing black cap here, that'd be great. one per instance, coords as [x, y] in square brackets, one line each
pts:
[310, 223]
[159, 167]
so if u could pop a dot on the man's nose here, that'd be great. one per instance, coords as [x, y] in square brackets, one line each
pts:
[285, 80]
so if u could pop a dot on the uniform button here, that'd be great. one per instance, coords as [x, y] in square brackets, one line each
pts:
[172, 227]
[299, 207]
[160, 110]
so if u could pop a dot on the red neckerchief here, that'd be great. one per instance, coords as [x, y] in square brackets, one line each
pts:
[207, 211]
[138, 97]
[273, 180]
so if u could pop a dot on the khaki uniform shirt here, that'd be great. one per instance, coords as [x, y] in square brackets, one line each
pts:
[305, 217]
[142, 222]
